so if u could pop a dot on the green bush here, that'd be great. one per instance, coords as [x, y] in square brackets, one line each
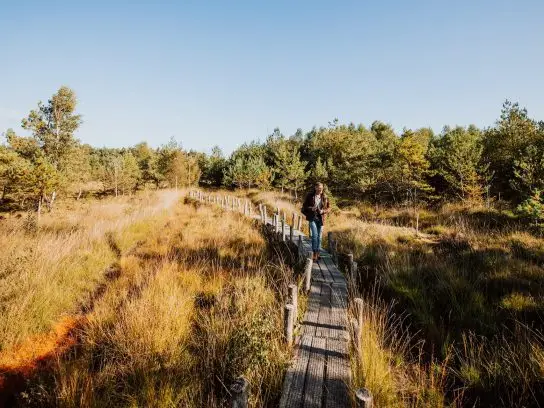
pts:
[533, 208]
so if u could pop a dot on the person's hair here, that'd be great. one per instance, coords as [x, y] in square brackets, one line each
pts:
[319, 184]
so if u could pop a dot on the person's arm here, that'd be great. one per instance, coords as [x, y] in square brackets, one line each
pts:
[326, 206]
[308, 204]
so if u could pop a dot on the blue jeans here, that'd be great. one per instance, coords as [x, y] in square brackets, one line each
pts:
[316, 226]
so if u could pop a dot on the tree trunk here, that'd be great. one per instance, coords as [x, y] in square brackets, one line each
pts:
[79, 194]
[52, 201]
[39, 209]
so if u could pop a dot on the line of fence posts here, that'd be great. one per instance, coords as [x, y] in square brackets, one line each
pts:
[239, 389]
[363, 396]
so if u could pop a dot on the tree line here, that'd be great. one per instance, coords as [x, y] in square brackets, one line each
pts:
[477, 166]
[35, 169]
[502, 162]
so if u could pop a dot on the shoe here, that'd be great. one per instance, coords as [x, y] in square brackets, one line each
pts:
[314, 256]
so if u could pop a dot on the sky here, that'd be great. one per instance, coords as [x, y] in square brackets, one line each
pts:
[228, 72]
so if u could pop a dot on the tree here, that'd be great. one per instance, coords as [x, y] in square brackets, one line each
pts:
[146, 158]
[44, 181]
[53, 126]
[319, 173]
[130, 174]
[213, 168]
[533, 207]
[509, 149]
[350, 148]
[15, 173]
[411, 166]
[182, 170]
[288, 168]
[457, 157]
[247, 167]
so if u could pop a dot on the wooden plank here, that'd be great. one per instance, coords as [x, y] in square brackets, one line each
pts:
[326, 272]
[337, 380]
[324, 312]
[315, 377]
[293, 398]
[338, 314]
[320, 371]
[290, 375]
[311, 316]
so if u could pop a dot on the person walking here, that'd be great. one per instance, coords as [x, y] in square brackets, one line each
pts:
[315, 208]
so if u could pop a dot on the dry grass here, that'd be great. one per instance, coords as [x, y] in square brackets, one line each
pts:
[389, 361]
[46, 271]
[471, 289]
[195, 306]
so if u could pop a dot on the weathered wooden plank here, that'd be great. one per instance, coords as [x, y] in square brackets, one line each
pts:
[296, 389]
[326, 272]
[336, 389]
[290, 374]
[311, 316]
[338, 313]
[315, 377]
[324, 312]
[320, 371]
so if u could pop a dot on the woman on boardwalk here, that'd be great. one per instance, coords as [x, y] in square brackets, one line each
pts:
[315, 208]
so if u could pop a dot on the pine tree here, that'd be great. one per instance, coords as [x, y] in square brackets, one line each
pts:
[457, 158]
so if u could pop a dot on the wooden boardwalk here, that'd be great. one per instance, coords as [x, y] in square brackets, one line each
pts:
[320, 370]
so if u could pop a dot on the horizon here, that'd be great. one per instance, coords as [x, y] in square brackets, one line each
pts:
[210, 75]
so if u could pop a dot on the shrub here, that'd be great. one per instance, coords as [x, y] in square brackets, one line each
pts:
[533, 208]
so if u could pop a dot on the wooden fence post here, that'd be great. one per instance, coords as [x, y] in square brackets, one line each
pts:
[283, 229]
[350, 264]
[291, 230]
[265, 215]
[354, 272]
[299, 223]
[335, 252]
[288, 319]
[293, 298]
[363, 398]
[308, 273]
[356, 335]
[239, 391]
[300, 248]
[359, 305]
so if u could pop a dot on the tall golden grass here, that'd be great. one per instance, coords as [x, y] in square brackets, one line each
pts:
[469, 287]
[195, 305]
[47, 270]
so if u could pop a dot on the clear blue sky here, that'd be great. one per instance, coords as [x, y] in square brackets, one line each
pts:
[226, 72]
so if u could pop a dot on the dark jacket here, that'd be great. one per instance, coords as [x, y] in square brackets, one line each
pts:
[309, 204]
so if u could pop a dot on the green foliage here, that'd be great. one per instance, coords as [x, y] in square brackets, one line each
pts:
[247, 168]
[457, 157]
[289, 169]
[514, 150]
[533, 207]
[146, 158]
[505, 161]
[53, 126]
[213, 167]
